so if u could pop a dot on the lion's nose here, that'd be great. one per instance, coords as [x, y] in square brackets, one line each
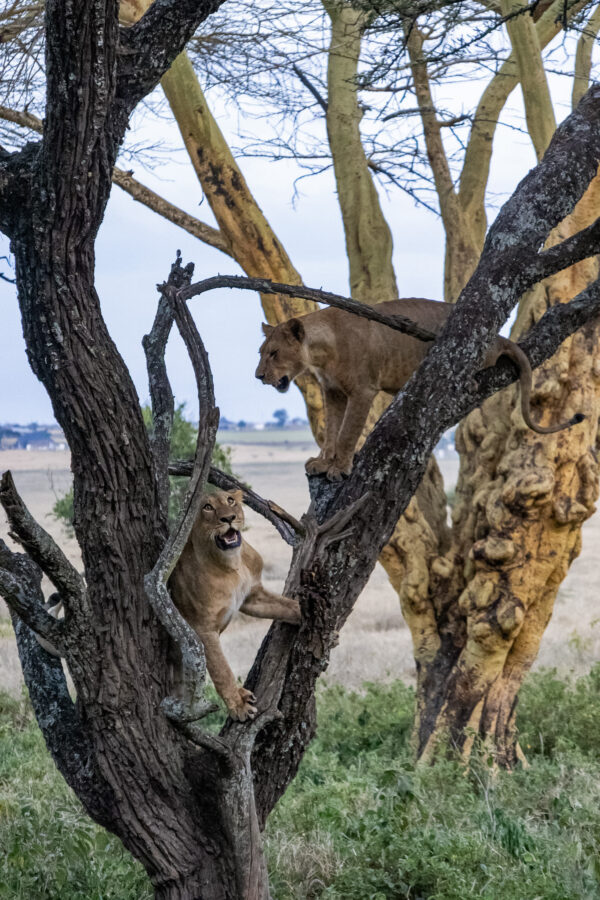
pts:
[228, 519]
[260, 376]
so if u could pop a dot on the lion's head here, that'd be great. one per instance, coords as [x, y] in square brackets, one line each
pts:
[283, 355]
[221, 519]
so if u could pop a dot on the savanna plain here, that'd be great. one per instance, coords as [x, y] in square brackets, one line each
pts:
[359, 821]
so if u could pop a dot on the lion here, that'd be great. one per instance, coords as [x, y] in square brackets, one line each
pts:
[354, 358]
[218, 574]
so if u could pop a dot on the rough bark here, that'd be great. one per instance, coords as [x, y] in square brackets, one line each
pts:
[520, 501]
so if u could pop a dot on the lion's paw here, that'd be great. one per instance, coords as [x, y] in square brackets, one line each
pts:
[317, 465]
[337, 473]
[243, 707]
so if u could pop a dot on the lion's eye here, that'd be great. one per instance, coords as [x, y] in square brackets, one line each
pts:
[207, 506]
[231, 501]
[273, 354]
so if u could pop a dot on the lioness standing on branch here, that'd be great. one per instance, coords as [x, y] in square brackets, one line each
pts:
[217, 575]
[354, 358]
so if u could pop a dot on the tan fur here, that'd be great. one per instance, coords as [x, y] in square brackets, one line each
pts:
[354, 358]
[210, 585]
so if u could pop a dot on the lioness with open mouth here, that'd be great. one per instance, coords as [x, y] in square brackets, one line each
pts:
[217, 575]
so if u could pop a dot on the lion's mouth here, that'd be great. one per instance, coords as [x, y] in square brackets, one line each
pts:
[229, 540]
[283, 384]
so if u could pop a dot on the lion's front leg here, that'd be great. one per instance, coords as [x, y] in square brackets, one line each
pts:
[335, 407]
[238, 700]
[263, 604]
[355, 416]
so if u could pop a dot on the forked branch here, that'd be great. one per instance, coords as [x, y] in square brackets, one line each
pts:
[20, 586]
[192, 704]
[39, 545]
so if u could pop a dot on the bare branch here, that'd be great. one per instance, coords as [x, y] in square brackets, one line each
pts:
[310, 87]
[161, 395]
[198, 229]
[264, 286]
[39, 545]
[192, 705]
[287, 526]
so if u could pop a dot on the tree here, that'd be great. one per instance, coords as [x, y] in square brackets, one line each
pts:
[281, 417]
[428, 564]
[186, 803]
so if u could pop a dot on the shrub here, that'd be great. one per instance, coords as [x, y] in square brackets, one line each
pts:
[183, 446]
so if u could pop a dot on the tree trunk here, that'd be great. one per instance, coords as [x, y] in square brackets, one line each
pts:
[521, 500]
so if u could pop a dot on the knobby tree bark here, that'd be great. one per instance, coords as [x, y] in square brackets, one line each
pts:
[479, 616]
[189, 805]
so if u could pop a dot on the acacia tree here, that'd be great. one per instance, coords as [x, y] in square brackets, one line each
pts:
[477, 597]
[187, 804]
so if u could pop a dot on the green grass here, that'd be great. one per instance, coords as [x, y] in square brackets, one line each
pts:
[359, 821]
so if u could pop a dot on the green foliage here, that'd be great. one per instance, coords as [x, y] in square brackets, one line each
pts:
[359, 822]
[183, 446]
[49, 849]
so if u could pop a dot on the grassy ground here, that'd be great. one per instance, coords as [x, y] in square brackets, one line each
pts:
[359, 821]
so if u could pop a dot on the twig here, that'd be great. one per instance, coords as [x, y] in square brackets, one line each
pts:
[287, 526]
[161, 395]
[264, 286]
[310, 87]
[39, 545]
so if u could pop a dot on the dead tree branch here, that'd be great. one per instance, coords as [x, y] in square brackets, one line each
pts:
[142, 194]
[20, 587]
[192, 705]
[264, 286]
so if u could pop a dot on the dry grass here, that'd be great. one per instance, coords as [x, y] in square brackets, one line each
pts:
[375, 644]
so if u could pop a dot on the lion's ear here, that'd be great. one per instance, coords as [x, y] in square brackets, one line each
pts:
[267, 329]
[296, 328]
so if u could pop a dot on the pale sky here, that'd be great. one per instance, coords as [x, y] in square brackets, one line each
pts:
[136, 247]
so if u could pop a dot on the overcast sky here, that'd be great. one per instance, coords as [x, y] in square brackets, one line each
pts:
[136, 247]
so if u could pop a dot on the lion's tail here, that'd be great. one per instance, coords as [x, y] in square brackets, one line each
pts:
[514, 352]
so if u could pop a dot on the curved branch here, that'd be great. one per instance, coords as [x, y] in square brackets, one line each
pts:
[264, 286]
[192, 705]
[65, 734]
